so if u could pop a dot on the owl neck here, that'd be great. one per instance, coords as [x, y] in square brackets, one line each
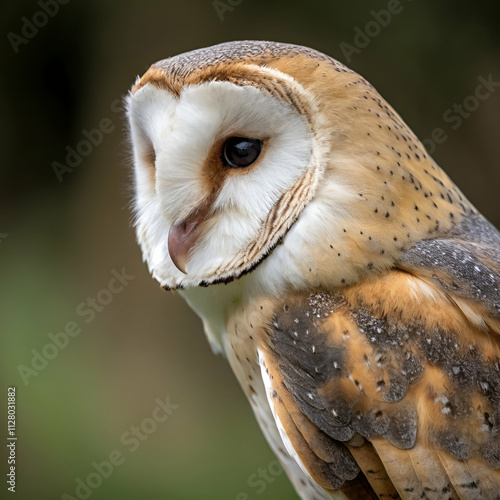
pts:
[215, 305]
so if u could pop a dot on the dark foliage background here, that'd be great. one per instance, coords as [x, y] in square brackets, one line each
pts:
[60, 241]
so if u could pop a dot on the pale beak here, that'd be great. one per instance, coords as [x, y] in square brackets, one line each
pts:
[183, 236]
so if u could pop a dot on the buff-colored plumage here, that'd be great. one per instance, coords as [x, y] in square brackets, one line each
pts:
[352, 286]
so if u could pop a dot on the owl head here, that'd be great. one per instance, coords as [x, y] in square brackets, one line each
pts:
[254, 155]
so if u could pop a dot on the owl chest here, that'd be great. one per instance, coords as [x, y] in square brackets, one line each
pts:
[244, 335]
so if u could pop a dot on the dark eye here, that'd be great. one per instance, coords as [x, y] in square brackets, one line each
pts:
[240, 152]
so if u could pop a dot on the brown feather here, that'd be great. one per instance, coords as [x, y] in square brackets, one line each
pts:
[395, 360]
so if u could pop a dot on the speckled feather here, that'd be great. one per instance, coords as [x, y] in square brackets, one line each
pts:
[356, 365]
[363, 318]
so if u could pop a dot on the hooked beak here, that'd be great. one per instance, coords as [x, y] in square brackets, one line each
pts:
[183, 236]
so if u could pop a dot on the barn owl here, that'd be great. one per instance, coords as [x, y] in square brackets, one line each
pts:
[351, 285]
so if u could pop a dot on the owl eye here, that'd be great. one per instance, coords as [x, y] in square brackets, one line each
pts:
[240, 152]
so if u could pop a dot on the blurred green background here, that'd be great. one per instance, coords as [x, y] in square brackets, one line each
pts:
[60, 241]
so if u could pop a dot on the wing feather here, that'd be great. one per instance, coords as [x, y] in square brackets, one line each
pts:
[400, 469]
[396, 376]
[431, 472]
[325, 460]
[465, 484]
[374, 470]
[465, 265]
